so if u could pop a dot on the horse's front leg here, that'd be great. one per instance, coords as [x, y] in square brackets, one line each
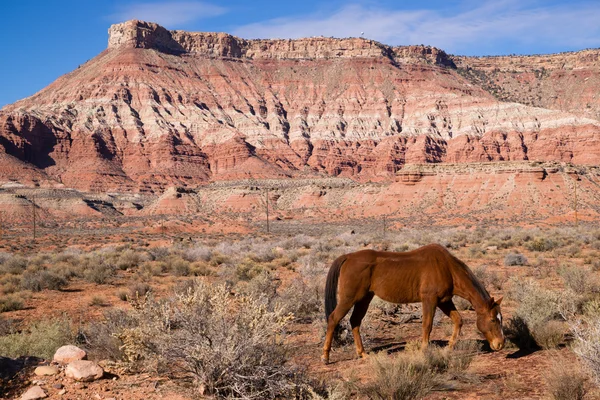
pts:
[429, 306]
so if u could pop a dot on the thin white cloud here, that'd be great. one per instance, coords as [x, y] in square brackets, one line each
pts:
[170, 14]
[484, 29]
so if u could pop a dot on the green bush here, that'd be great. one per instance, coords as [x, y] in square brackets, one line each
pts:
[40, 340]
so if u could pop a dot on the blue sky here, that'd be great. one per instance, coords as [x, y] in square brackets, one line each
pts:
[41, 40]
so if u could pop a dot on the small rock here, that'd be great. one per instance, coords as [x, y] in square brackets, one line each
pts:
[69, 353]
[62, 392]
[34, 393]
[491, 248]
[58, 386]
[84, 371]
[97, 396]
[46, 370]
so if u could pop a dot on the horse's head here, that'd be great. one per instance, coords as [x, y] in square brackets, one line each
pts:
[489, 322]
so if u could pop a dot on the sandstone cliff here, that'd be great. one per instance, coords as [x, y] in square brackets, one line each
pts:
[160, 108]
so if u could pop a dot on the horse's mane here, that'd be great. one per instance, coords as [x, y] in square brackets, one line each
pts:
[481, 290]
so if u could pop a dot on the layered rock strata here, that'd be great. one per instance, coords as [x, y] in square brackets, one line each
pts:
[163, 108]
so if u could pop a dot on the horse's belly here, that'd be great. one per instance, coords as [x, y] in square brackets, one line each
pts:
[399, 298]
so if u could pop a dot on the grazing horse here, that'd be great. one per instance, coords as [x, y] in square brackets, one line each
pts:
[430, 275]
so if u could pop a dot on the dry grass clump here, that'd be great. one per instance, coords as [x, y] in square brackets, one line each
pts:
[414, 374]
[405, 377]
[566, 382]
[231, 344]
[40, 340]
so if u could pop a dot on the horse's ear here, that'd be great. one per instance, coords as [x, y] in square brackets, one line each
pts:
[499, 300]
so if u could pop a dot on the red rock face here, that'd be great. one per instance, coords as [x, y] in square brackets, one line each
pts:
[160, 108]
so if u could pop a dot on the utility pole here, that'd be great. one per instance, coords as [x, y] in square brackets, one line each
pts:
[384, 225]
[267, 206]
[576, 219]
[33, 212]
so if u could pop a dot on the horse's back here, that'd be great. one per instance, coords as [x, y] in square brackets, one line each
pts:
[403, 277]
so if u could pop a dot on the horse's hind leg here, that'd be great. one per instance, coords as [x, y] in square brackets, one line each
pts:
[334, 319]
[450, 310]
[360, 309]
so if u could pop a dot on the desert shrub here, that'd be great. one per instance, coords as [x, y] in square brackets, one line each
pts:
[515, 259]
[231, 344]
[300, 241]
[14, 265]
[218, 259]
[130, 259]
[40, 340]
[10, 303]
[180, 267]
[539, 314]
[201, 268]
[248, 269]
[64, 269]
[461, 304]
[303, 300]
[566, 383]
[541, 244]
[40, 280]
[10, 284]
[138, 289]
[578, 279]
[152, 268]
[304, 296]
[587, 345]
[198, 253]
[488, 278]
[407, 376]
[159, 253]
[549, 334]
[101, 338]
[97, 268]
[263, 253]
[263, 284]
[517, 332]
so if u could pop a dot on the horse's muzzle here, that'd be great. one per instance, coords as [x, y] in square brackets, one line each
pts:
[497, 345]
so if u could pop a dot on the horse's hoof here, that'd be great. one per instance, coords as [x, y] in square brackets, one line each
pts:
[325, 360]
[364, 355]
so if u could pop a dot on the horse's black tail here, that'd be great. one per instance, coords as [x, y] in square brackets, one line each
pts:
[331, 286]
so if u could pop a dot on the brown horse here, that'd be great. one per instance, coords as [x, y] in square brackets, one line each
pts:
[430, 275]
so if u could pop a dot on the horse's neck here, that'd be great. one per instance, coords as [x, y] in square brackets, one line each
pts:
[468, 287]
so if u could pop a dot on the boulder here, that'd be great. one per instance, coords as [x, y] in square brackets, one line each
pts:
[66, 354]
[35, 392]
[45, 370]
[84, 371]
